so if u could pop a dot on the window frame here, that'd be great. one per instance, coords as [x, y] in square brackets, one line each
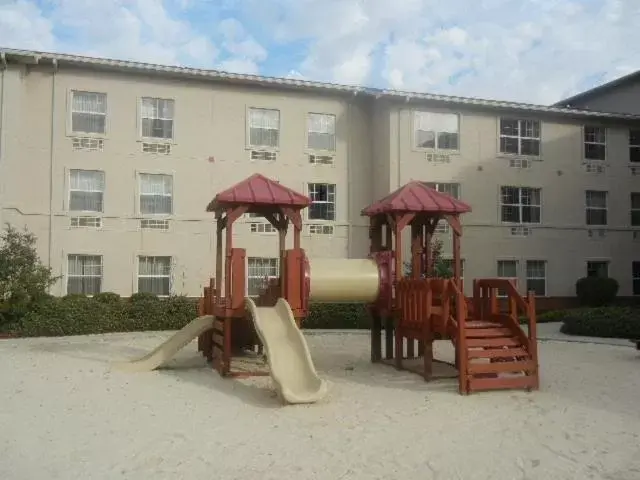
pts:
[138, 197]
[587, 208]
[436, 149]
[635, 277]
[172, 263]
[516, 278]
[69, 117]
[519, 119]
[141, 137]
[269, 277]
[443, 225]
[606, 262]
[585, 143]
[80, 213]
[67, 275]
[545, 264]
[335, 202]
[266, 148]
[520, 205]
[310, 149]
[633, 146]
[633, 210]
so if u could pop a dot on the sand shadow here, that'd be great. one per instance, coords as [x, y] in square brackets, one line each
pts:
[257, 395]
[342, 367]
[186, 366]
[96, 352]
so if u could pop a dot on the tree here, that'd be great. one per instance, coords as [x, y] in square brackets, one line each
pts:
[23, 278]
[440, 267]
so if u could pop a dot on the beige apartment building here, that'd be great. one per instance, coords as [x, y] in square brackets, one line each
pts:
[112, 163]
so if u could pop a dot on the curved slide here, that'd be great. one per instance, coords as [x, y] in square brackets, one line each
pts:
[168, 349]
[290, 363]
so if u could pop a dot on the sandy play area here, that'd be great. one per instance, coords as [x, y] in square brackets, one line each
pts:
[65, 416]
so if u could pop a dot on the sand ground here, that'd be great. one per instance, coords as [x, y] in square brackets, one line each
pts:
[65, 415]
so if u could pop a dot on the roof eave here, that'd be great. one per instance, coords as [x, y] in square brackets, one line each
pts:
[33, 57]
[599, 89]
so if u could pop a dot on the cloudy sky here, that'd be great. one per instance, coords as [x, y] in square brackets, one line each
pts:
[525, 50]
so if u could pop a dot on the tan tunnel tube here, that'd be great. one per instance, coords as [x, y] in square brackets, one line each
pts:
[343, 280]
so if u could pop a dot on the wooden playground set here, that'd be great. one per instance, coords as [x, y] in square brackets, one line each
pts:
[492, 350]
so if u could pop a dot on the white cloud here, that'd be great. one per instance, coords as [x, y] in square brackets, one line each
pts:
[527, 50]
[22, 25]
[244, 52]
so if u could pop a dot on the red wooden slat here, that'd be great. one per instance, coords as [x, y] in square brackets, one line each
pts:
[525, 366]
[501, 383]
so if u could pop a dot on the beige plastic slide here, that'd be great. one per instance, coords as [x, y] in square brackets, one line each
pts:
[290, 363]
[168, 349]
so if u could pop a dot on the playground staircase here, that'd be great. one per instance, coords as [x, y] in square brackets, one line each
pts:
[497, 358]
[494, 351]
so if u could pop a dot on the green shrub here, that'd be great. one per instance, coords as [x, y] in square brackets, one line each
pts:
[604, 322]
[107, 297]
[80, 315]
[596, 291]
[337, 316]
[24, 280]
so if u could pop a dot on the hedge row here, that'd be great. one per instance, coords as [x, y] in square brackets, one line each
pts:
[604, 322]
[107, 313]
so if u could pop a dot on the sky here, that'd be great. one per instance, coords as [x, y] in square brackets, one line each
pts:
[536, 51]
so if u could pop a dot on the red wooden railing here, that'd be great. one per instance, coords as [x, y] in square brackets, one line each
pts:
[485, 293]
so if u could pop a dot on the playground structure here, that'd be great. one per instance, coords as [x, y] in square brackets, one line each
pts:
[492, 350]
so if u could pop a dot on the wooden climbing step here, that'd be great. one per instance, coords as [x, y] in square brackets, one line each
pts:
[481, 324]
[527, 366]
[493, 342]
[499, 332]
[498, 353]
[502, 383]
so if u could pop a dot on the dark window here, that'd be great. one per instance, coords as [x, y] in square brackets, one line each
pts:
[598, 269]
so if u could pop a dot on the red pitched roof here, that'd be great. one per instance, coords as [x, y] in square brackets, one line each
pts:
[258, 190]
[416, 197]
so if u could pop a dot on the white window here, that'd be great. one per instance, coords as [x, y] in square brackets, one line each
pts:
[537, 277]
[507, 269]
[635, 209]
[88, 112]
[157, 118]
[520, 204]
[596, 207]
[439, 131]
[520, 137]
[323, 201]
[86, 191]
[154, 275]
[635, 277]
[264, 127]
[321, 132]
[598, 268]
[84, 274]
[634, 146]
[595, 143]
[156, 194]
[259, 271]
[452, 189]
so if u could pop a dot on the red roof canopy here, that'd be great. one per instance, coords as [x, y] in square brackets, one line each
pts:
[260, 191]
[416, 197]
